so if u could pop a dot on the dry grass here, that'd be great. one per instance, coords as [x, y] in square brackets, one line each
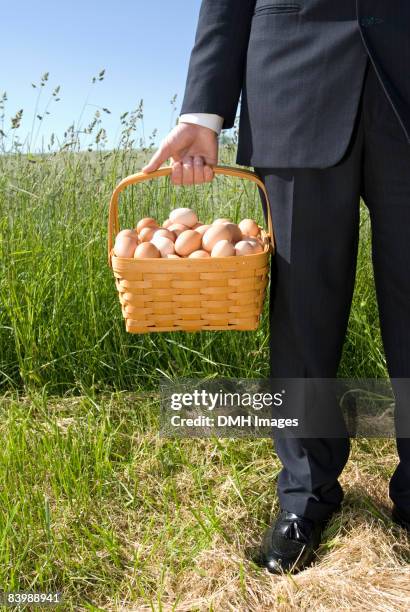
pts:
[363, 565]
[364, 571]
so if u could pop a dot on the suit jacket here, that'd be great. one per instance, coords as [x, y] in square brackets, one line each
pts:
[300, 66]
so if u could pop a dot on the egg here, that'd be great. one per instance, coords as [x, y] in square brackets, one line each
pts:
[223, 248]
[236, 234]
[146, 250]
[177, 228]
[201, 254]
[187, 242]
[249, 227]
[197, 225]
[172, 256]
[219, 221]
[214, 234]
[201, 229]
[186, 216]
[146, 222]
[257, 243]
[167, 223]
[164, 245]
[257, 247]
[125, 246]
[165, 232]
[245, 247]
[147, 233]
[127, 232]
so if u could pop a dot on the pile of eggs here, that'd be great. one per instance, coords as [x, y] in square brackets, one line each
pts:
[182, 235]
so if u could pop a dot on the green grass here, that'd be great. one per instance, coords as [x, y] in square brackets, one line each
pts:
[95, 504]
[60, 322]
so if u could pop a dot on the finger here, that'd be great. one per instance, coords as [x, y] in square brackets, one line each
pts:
[198, 170]
[176, 176]
[158, 158]
[187, 170]
[208, 174]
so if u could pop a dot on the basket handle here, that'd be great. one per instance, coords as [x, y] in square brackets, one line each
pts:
[113, 223]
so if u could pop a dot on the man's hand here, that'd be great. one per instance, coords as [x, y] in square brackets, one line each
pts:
[193, 149]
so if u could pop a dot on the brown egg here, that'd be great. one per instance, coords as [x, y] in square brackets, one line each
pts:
[177, 228]
[146, 250]
[236, 233]
[197, 225]
[201, 229]
[186, 216]
[245, 247]
[147, 233]
[127, 232]
[187, 242]
[167, 223]
[125, 246]
[214, 234]
[223, 248]
[257, 242]
[146, 222]
[172, 256]
[249, 227]
[167, 233]
[218, 221]
[257, 247]
[201, 254]
[164, 245]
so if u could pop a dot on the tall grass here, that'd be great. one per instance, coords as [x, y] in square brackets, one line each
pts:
[60, 321]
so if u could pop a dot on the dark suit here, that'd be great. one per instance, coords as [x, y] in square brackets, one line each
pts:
[325, 119]
[300, 67]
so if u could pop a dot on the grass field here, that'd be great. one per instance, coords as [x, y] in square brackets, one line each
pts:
[60, 322]
[92, 501]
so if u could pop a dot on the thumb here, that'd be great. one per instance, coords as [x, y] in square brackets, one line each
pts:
[157, 159]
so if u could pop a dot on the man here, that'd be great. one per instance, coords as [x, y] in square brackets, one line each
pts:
[325, 119]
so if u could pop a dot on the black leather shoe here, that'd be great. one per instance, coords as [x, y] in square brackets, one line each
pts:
[290, 544]
[401, 518]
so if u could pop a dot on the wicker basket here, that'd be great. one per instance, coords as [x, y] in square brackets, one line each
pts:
[162, 295]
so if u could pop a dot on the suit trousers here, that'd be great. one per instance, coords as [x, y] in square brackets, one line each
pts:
[315, 215]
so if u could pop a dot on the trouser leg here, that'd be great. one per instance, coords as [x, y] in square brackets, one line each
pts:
[387, 195]
[316, 221]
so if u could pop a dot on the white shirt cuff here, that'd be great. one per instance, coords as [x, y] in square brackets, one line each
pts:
[208, 120]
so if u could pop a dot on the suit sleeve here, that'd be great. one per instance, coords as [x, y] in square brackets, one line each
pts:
[216, 67]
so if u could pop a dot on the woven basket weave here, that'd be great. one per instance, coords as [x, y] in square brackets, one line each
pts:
[162, 295]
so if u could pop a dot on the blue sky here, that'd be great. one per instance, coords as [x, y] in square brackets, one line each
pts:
[143, 46]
